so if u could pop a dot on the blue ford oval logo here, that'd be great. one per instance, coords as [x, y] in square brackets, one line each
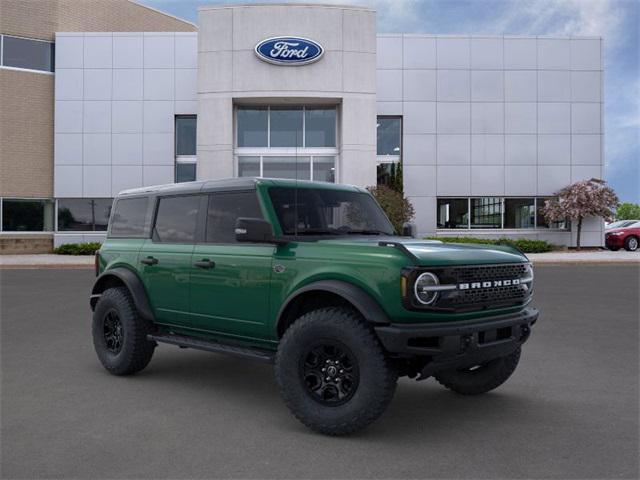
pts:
[289, 50]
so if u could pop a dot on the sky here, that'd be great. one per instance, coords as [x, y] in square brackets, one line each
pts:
[617, 21]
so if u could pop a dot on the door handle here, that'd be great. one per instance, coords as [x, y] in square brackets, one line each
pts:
[205, 263]
[149, 261]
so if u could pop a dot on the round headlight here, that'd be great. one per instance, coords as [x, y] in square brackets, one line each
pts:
[423, 293]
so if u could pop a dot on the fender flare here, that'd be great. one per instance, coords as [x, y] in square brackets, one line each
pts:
[132, 282]
[356, 296]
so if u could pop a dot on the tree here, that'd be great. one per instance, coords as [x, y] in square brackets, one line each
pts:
[395, 205]
[628, 211]
[586, 198]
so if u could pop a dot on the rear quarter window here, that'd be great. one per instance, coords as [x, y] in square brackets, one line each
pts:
[129, 218]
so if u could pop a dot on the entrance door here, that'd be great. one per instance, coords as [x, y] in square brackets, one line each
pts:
[229, 280]
[166, 258]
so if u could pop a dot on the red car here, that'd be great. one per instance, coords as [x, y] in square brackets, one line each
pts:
[627, 237]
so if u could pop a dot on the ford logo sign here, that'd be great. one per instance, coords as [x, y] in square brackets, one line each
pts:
[289, 51]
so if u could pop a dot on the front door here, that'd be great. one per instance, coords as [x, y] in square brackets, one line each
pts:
[230, 281]
[166, 258]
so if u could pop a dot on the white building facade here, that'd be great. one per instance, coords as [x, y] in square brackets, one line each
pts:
[485, 128]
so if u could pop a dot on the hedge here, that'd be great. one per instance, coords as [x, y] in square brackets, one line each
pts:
[523, 244]
[87, 248]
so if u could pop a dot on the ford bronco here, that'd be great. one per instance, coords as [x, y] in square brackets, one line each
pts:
[311, 277]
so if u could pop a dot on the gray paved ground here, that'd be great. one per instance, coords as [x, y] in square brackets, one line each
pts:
[570, 411]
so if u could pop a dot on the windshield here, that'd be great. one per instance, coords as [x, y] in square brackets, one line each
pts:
[317, 211]
[621, 224]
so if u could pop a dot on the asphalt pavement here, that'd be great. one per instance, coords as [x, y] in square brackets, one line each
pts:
[569, 411]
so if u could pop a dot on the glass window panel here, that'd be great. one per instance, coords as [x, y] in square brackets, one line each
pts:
[313, 211]
[320, 127]
[453, 213]
[26, 53]
[324, 169]
[176, 219]
[486, 212]
[287, 167]
[542, 221]
[285, 125]
[22, 215]
[248, 166]
[252, 126]
[186, 134]
[519, 213]
[224, 210]
[129, 217]
[389, 132]
[185, 172]
[84, 214]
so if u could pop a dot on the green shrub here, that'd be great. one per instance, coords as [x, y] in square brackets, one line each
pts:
[523, 244]
[88, 248]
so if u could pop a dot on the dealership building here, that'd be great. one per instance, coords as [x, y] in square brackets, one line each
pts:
[481, 129]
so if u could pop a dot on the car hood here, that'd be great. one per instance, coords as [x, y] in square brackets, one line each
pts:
[436, 253]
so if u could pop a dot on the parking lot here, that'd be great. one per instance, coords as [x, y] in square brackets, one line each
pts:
[569, 411]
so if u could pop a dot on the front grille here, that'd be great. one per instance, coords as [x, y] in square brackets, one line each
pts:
[489, 272]
[469, 299]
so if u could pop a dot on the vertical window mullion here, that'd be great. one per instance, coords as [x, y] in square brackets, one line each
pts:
[468, 213]
[535, 213]
[1, 49]
[311, 167]
[268, 130]
[304, 127]
[261, 166]
[502, 213]
[1, 222]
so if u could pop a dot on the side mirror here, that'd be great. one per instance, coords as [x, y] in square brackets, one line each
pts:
[254, 230]
[409, 230]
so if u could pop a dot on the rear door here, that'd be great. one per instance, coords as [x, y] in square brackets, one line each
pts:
[230, 281]
[165, 258]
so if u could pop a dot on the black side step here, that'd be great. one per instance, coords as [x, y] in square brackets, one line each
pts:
[265, 356]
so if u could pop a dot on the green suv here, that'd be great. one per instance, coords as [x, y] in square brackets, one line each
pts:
[311, 277]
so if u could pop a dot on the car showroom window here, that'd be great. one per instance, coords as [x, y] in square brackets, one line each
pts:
[84, 214]
[129, 217]
[296, 142]
[389, 149]
[27, 215]
[27, 53]
[453, 213]
[224, 209]
[176, 219]
[519, 213]
[185, 141]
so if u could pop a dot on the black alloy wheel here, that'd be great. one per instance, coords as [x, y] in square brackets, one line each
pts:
[330, 373]
[113, 332]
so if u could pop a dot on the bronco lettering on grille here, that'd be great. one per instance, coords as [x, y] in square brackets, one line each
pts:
[490, 284]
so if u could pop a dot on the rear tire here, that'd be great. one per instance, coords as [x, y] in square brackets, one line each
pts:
[631, 243]
[357, 383]
[480, 379]
[120, 334]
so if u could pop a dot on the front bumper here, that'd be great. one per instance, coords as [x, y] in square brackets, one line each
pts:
[461, 344]
[614, 241]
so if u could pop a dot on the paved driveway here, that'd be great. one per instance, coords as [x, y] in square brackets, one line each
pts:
[569, 411]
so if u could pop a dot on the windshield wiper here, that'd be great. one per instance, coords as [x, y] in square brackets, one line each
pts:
[367, 232]
[317, 231]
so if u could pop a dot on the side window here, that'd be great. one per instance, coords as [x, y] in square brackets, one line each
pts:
[224, 210]
[176, 219]
[129, 217]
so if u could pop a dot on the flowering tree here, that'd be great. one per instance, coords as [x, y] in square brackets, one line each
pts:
[586, 198]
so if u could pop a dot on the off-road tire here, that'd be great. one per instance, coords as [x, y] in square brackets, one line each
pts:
[136, 351]
[631, 243]
[376, 382]
[482, 379]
